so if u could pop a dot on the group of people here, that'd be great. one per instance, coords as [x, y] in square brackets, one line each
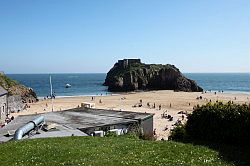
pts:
[7, 120]
[53, 96]
[151, 106]
[93, 98]
[154, 106]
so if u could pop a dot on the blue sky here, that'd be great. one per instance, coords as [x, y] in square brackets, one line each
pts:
[57, 36]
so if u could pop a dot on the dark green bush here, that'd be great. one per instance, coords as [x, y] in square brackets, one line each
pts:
[178, 133]
[225, 123]
[111, 134]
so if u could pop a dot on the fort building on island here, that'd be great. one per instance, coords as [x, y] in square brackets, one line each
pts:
[125, 63]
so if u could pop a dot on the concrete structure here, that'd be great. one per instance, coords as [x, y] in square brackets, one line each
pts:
[82, 122]
[3, 104]
[87, 105]
[26, 129]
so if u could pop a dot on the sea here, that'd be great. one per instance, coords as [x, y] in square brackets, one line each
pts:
[92, 84]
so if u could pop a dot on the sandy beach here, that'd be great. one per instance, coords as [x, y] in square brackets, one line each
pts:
[169, 101]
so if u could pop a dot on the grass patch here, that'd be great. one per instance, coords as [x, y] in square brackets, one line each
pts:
[105, 151]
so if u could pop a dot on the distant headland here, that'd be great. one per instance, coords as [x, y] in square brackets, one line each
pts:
[14, 88]
[132, 75]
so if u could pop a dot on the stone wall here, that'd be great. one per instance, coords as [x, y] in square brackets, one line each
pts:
[127, 62]
[15, 104]
[3, 108]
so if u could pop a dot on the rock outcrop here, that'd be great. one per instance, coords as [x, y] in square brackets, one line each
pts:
[131, 75]
[17, 89]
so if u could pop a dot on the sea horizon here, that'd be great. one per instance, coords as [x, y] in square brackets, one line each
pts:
[91, 84]
[106, 73]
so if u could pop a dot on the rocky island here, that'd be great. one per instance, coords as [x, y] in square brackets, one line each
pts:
[131, 75]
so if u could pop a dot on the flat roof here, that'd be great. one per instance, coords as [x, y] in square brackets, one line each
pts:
[78, 118]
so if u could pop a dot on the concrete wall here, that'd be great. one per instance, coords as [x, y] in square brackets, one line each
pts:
[106, 128]
[148, 127]
[3, 107]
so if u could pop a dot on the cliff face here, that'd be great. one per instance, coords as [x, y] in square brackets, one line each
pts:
[15, 88]
[131, 74]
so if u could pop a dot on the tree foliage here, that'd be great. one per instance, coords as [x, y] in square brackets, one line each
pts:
[226, 123]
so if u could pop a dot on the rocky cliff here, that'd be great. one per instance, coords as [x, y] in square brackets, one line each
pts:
[131, 75]
[15, 88]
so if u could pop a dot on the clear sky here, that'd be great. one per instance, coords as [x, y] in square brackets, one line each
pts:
[80, 36]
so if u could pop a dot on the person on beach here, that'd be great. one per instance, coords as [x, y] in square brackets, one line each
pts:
[160, 107]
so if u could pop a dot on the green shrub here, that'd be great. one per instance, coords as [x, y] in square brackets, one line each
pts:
[226, 123]
[178, 133]
[111, 134]
[7, 82]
